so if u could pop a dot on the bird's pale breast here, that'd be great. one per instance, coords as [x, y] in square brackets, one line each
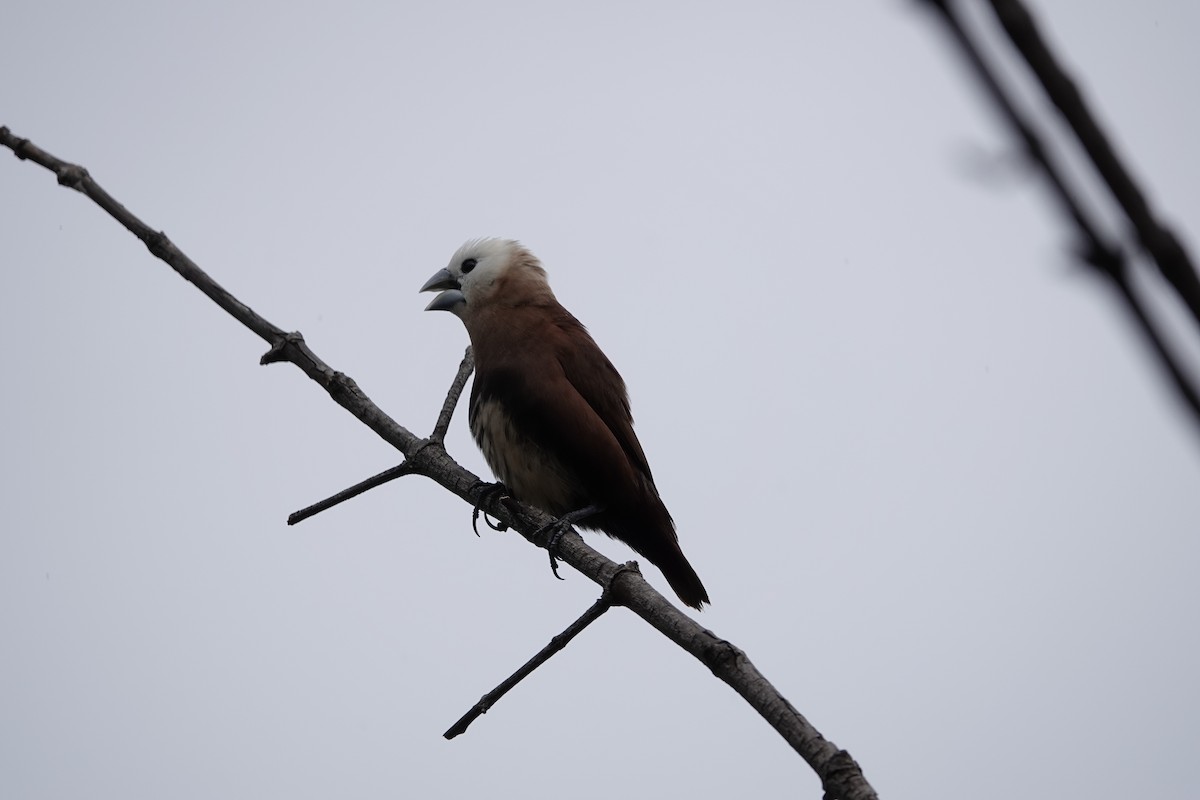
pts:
[530, 472]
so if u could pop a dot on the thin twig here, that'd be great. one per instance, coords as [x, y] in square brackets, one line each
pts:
[1094, 250]
[284, 346]
[389, 474]
[1158, 240]
[456, 389]
[76, 177]
[840, 776]
[557, 643]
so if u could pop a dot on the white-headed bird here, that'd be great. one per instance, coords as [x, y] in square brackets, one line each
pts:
[549, 410]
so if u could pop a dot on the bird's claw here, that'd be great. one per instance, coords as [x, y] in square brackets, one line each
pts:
[485, 496]
[554, 533]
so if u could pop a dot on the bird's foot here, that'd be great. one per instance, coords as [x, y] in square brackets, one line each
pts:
[555, 531]
[488, 492]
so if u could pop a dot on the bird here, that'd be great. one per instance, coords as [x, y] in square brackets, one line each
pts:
[549, 411]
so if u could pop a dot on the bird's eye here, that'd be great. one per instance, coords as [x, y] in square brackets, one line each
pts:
[468, 265]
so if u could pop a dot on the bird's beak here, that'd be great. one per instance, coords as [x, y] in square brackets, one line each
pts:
[449, 288]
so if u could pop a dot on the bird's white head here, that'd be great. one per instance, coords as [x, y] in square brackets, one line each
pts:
[484, 270]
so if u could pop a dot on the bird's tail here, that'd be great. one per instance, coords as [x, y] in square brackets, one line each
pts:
[661, 548]
[683, 579]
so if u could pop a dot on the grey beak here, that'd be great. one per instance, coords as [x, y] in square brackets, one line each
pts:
[450, 297]
[442, 279]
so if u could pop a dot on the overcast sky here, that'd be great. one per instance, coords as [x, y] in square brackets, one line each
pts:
[935, 487]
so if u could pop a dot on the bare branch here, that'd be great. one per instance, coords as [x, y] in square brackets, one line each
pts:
[840, 775]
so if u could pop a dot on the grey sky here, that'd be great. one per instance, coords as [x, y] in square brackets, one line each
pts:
[933, 483]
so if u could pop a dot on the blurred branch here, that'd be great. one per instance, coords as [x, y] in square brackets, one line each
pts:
[1093, 248]
[839, 773]
[1157, 239]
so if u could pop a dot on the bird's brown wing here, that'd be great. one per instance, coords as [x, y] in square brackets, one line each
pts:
[597, 382]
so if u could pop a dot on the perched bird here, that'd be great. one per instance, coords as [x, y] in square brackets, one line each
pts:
[548, 409]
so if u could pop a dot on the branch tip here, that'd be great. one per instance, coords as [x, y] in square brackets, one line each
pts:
[16, 143]
[390, 474]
